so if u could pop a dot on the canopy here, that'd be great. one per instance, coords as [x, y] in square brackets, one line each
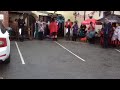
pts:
[40, 13]
[112, 18]
[88, 21]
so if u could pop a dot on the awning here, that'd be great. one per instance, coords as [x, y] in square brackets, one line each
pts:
[40, 13]
[111, 18]
[43, 12]
[28, 12]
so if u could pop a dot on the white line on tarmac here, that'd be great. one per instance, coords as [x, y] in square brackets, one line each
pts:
[117, 50]
[70, 51]
[21, 57]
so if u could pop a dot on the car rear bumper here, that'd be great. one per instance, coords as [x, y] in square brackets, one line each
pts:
[4, 53]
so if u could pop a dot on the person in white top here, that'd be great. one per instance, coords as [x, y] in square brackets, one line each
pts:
[118, 31]
[41, 30]
[116, 35]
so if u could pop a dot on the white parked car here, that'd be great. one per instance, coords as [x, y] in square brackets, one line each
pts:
[4, 44]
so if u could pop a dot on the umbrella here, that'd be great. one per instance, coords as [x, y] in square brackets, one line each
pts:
[112, 18]
[86, 22]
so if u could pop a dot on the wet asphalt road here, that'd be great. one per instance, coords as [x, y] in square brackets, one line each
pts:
[47, 60]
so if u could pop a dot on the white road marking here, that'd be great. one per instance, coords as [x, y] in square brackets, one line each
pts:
[70, 51]
[21, 57]
[117, 50]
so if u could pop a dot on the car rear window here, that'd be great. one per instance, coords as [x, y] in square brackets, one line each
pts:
[3, 29]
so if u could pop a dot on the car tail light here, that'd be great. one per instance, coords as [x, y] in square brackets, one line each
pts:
[3, 42]
[3, 55]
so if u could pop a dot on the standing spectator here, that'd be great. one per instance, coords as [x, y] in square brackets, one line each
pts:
[21, 26]
[116, 36]
[68, 26]
[91, 33]
[75, 31]
[41, 30]
[53, 29]
[36, 28]
[15, 28]
[82, 32]
[47, 31]
[107, 29]
[102, 35]
[45, 28]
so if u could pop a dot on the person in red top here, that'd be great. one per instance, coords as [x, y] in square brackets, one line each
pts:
[91, 27]
[53, 29]
[68, 25]
[91, 33]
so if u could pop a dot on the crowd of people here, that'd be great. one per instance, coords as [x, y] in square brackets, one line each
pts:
[40, 31]
[109, 34]
[83, 32]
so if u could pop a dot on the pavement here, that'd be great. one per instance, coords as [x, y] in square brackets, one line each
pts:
[61, 60]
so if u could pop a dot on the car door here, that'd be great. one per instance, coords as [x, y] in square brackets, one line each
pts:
[4, 34]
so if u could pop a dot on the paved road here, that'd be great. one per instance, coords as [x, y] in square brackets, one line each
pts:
[62, 60]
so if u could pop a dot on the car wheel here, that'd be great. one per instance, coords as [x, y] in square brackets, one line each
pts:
[7, 60]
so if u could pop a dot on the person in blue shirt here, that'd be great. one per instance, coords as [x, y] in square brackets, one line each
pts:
[106, 33]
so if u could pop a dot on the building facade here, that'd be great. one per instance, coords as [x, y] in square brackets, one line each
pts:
[5, 18]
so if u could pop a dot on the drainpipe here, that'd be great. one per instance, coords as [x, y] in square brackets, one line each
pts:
[84, 14]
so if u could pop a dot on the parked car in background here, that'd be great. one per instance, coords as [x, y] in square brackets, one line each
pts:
[4, 44]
